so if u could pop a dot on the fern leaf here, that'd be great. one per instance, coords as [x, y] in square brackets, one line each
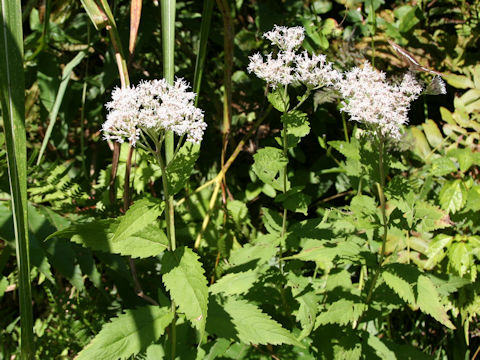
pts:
[128, 334]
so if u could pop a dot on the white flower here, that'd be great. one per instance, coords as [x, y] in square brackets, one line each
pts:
[371, 99]
[274, 71]
[286, 38]
[315, 71]
[289, 67]
[154, 105]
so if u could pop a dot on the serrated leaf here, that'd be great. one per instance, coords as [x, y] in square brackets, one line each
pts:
[238, 210]
[348, 149]
[460, 258]
[431, 217]
[435, 251]
[235, 283]
[307, 312]
[276, 99]
[272, 221]
[142, 213]
[429, 302]
[341, 312]
[184, 278]
[465, 158]
[252, 326]
[97, 235]
[269, 165]
[381, 350]
[442, 166]
[179, 169]
[401, 287]
[295, 200]
[254, 255]
[452, 196]
[128, 334]
[297, 126]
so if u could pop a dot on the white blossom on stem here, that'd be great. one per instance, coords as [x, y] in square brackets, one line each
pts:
[288, 67]
[286, 38]
[369, 98]
[154, 105]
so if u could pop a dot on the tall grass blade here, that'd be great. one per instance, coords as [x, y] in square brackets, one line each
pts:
[202, 48]
[12, 99]
[67, 72]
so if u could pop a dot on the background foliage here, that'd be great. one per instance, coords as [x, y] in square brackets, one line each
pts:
[259, 294]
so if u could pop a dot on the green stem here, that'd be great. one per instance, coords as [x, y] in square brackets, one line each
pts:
[380, 188]
[285, 150]
[168, 40]
[345, 129]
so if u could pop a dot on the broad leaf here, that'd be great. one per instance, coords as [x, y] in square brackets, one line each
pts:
[97, 235]
[252, 326]
[180, 168]
[184, 278]
[269, 165]
[235, 283]
[128, 334]
[401, 287]
[141, 214]
[429, 302]
[297, 126]
[341, 312]
[453, 196]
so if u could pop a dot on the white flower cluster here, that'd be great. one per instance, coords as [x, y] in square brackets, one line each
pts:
[154, 105]
[288, 66]
[371, 99]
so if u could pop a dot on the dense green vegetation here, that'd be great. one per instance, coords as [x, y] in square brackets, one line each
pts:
[289, 232]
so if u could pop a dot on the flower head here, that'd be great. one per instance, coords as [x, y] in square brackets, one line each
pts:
[371, 99]
[286, 38]
[153, 105]
[289, 67]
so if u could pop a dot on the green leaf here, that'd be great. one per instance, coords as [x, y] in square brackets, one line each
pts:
[179, 169]
[341, 312]
[254, 255]
[297, 126]
[276, 99]
[238, 210]
[252, 326]
[97, 235]
[460, 258]
[453, 196]
[429, 302]
[295, 200]
[95, 13]
[348, 149]
[184, 278]
[128, 334]
[272, 221]
[12, 100]
[420, 143]
[431, 217]
[269, 164]
[442, 166]
[401, 287]
[141, 214]
[435, 251]
[235, 283]
[465, 158]
[219, 348]
[433, 133]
